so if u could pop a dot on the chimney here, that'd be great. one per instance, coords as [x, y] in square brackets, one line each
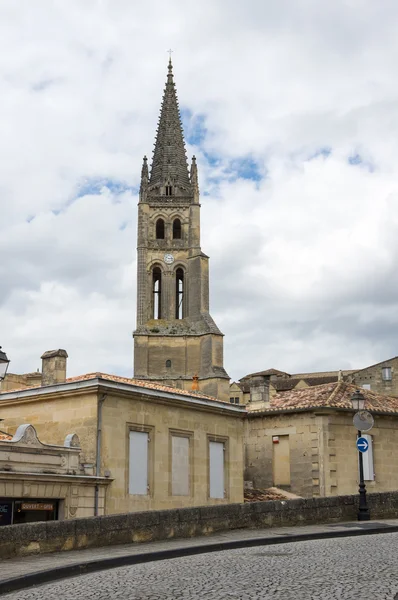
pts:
[53, 367]
[259, 389]
[195, 383]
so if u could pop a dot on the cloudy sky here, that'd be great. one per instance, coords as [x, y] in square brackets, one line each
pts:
[291, 108]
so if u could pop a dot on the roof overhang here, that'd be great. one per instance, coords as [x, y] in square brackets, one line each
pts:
[126, 389]
[315, 409]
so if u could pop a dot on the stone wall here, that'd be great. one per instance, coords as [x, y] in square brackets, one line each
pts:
[18, 382]
[323, 456]
[373, 376]
[30, 469]
[121, 415]
[54, 415]
[343, 456]
[22, 540]
[304, 431]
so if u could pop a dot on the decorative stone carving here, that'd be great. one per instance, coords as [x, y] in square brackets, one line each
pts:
[72, 441]
[26, 434]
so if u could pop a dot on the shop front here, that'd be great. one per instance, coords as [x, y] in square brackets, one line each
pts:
[15, 511]
[42, 482]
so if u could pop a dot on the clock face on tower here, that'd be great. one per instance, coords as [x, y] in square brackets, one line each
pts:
[168, 259]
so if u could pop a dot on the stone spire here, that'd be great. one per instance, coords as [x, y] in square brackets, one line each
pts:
[169, 163]
[144, 179]
[194, 173]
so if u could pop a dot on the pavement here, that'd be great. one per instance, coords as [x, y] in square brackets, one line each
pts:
[25, 572]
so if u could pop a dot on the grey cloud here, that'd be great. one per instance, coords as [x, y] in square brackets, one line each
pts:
[302, 264]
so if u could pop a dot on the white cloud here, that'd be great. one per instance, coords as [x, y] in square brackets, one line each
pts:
[303, 259]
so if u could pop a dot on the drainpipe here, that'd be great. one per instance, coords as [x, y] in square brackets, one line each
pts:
[101, 400]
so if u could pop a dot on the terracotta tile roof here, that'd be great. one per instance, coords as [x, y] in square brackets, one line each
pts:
[5, 436]
[261, 495]
[152, 385]
[129, 381]
[333, 395]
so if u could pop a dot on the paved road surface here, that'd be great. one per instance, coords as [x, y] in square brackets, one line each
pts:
[361, 568]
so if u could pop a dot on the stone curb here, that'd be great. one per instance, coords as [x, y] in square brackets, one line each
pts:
[83, 568]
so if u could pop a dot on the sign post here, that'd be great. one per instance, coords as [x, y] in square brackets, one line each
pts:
[363, 511]
[363, 421]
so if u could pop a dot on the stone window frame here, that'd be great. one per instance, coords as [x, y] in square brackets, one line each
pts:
[176, 228]
[186, 434]
[386, 369]
[150, 430]
[223, 440]
[160, 224]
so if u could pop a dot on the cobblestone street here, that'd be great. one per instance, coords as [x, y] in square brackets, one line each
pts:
[344, 568]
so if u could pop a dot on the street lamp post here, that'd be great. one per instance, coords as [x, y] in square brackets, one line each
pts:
[358, 404]
[4, 362]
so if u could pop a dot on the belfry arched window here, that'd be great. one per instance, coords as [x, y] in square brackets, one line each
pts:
[176, 229]
[157, 293]
[160, 229]
[179, 294]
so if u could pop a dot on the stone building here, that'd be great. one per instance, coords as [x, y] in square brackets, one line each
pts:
[162, 447]
[175, 339]
[53, 369]
[381, 378]
[304, 441]
[42, 482]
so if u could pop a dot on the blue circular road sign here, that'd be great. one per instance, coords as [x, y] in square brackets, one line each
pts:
[362, 444]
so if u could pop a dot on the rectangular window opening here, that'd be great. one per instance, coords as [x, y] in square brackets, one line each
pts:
[138, 463]
[386, 373]
[180, 465]
[216, 469]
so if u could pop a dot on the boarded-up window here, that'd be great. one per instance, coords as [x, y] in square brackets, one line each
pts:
[216, 455]
[281, 460]
[367, 458]
[180, 474]
[138, 463]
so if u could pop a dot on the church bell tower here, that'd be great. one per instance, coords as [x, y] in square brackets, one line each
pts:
[176, 340]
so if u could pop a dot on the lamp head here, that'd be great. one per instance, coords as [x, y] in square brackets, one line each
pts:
[4, 362]
[358, 401]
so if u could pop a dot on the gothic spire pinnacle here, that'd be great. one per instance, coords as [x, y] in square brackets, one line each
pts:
[144, 178]
[169, 163]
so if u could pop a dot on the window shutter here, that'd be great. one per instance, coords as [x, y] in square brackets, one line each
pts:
[216, 454]
[138, 463]
[179, 466]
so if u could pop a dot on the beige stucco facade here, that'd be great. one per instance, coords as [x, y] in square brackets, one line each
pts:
[320, 448]
[104, 412]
